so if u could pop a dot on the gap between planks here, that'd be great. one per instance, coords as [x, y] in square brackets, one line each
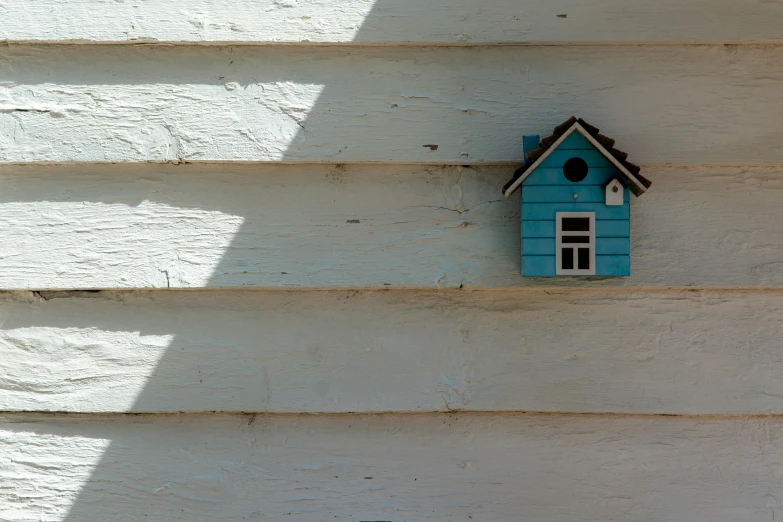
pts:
[359, 44]
[186, 163]
[23, 415]
[48, 294]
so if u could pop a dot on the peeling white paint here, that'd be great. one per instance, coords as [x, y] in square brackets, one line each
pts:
[664, 104]
[75, 461]
[305, 226]
[78, 355]
[664, 351]
[391, 467]
[388, 21]
[580, 350]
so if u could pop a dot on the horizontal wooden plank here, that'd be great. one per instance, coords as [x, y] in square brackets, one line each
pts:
[594, 159]
[664, 104]
[454, 21]
[666, 351]
[546, 246]
[558, 193]
[390, 467]
[603, 228]
[617, 264]
[539, 266]
[538, 246]
[196, 226]
[545, 176]
[544, 265]
[548, 211]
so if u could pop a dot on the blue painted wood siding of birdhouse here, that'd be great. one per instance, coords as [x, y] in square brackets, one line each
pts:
[547, 191]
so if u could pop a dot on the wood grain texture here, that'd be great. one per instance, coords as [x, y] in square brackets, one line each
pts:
[604, 246]
[349, 468]
[547, 211]
[564, 193]
[665, 104]
[545, 266]
[669, 351]
[306, 226]
[604, 228]
[460, 21]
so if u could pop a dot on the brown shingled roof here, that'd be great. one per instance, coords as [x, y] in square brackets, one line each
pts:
[606, 143]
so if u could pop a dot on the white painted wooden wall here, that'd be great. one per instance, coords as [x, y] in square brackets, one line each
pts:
[256, 263]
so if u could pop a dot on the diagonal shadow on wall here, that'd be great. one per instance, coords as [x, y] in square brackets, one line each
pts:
[203, 483]
[209, 485]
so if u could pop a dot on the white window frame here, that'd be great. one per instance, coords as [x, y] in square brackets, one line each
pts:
[559, 244]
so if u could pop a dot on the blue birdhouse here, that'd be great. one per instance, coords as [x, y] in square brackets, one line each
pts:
[575, 196]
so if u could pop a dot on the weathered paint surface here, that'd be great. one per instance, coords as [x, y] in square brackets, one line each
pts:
[608, 228]
[604, 245]
[427, 349]
[670, 104]
[305, 226]
[666, 351]
[584, 192]
[452, 21]
[544, 266]
[390, 467]
[542, 211]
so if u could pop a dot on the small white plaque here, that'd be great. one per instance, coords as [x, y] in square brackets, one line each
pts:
[614, 194]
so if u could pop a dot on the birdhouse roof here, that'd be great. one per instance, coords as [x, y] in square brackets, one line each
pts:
[636, 182]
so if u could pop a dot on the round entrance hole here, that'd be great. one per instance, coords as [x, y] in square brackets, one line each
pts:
[575, 170]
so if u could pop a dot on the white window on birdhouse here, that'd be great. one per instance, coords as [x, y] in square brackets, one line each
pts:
[575, 241]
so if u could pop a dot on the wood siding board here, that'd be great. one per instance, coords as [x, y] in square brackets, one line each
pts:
[256, 103]
[564, 193]
[197, 226]
[547, 211]
[604, 246]
[534, 350]
[614, 265]
[389, 467]
[606, 265]
[603, 228]
[538, 266]
[546, 176]
[388, 21]
[558, 158]
[612, 228]
[536, 229]
[613, 245]
[538, 246]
